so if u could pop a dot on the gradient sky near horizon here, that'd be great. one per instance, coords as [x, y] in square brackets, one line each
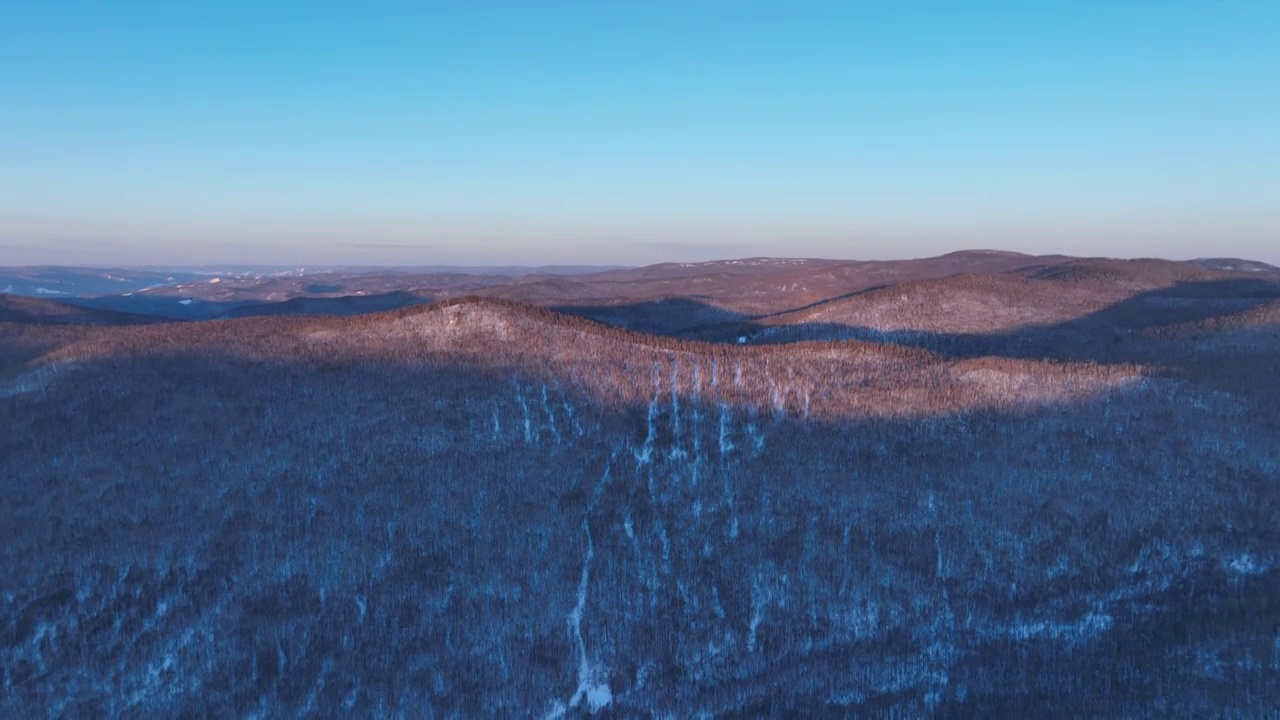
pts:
[634, 132]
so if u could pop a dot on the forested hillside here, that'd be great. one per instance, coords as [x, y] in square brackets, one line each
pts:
[481, 508]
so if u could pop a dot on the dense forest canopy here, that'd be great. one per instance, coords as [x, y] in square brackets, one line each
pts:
[1022, 488]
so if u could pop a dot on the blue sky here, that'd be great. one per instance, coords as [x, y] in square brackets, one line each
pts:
[631, 132]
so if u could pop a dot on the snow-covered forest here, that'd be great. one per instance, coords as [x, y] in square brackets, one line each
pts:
[481, 509]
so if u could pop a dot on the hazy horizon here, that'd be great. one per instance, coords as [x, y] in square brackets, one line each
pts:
[146, 133]
[559, 266]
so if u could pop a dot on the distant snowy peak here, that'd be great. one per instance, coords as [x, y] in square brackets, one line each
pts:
[757, 262]
[1237, 265]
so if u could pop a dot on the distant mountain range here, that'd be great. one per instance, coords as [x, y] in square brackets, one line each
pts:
[83, 282]
[723, 291]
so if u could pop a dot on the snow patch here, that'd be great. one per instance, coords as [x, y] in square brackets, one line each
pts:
[37, 379]
[1247, 564]
[593, 685]
[1091, 625]
[645, 453]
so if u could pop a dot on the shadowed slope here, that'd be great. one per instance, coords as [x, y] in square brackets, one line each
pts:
[18, 309]
[343, 305]
[918, 296]
[1061, 307]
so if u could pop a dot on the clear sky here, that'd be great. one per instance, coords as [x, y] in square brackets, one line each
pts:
[628, 132]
